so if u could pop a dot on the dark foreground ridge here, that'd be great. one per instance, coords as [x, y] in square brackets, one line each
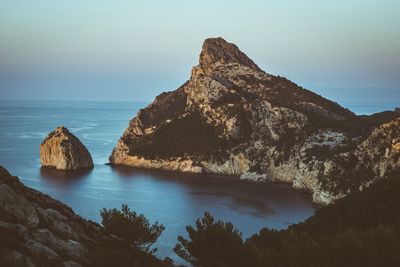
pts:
[361, 229]
[37, 230]
[233, 118]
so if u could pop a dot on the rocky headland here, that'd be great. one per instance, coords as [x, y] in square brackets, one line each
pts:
[62, 150]
[37, 230]
[233, 118]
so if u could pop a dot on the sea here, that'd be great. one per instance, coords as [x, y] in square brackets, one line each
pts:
[175, 200]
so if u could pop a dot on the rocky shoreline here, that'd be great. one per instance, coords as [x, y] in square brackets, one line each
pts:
[232, 118]
[37, 230]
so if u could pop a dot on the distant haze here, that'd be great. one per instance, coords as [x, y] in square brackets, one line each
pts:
[134, 50]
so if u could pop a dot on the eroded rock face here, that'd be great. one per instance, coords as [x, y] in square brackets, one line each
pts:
[37, 230]
[63, 151]
[231, 117]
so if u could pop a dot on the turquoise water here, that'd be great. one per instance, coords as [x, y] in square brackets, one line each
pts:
[175, 200]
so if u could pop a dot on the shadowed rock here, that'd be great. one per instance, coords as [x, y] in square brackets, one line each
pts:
[63, 151]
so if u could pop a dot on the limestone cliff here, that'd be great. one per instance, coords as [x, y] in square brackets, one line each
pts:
[37, 230]
[63, 151]
[233, 118]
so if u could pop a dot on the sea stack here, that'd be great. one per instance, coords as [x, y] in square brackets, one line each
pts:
[62, 150]
[233, 118]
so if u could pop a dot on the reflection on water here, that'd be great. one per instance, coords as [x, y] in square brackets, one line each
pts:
[176, 200]
[63, 176]
[242, 203]
[63, 180]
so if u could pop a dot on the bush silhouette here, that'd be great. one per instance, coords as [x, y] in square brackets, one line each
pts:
[131, 227]
[213, 244]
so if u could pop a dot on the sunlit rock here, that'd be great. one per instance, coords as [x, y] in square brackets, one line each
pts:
[63, 151]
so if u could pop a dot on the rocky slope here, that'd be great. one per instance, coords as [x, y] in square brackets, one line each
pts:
[36, 230]
[63, 151]
[233, 118]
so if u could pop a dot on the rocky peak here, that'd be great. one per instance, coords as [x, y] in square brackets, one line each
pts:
[233, 118]
[217, 50]
[61, 130]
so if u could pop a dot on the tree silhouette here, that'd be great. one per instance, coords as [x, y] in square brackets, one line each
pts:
[131, 227]
[213, 244]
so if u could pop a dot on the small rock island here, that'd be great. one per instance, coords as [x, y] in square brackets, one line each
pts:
[62, 150]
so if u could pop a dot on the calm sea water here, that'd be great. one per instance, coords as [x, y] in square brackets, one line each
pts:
[175, 200]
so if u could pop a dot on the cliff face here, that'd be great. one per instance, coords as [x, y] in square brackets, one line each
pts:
[36, 230]
[233, 118]
[63, 151]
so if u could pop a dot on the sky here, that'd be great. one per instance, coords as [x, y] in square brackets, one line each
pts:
[133, 50]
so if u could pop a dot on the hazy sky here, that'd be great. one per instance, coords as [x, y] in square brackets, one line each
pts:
[345, 50]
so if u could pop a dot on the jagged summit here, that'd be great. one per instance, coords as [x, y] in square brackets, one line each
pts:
[217, 50]
[233, 118]
[61, 129]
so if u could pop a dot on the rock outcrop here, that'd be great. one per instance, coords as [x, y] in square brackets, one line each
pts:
[233, 118]
[63, 151]
[36, 230]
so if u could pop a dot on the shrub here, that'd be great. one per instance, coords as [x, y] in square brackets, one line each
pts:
[213, 244]
[131, 227]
